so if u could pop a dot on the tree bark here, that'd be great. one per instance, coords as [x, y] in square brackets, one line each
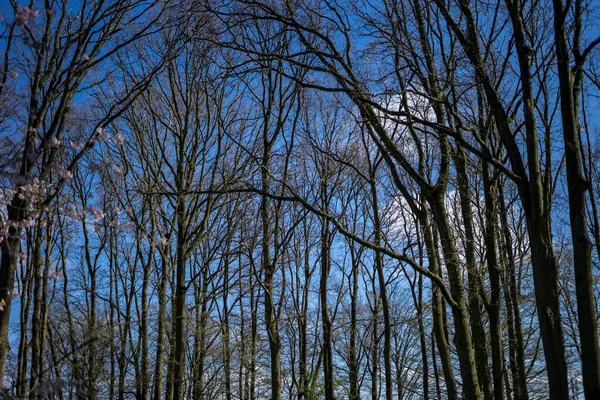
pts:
[577, 187]
[462, 335]
[438, 305]
[474, 300]
[489, 189]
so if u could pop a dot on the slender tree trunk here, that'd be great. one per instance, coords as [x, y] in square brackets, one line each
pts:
[520, 378]
[328, 374]
[225, 330]
[243, 352]
[474, 301]
[10, 248]
[436, 374]
[353, 364]
[171, 356]
[44, 311]
[145, 367]
[200, 337]
[375, 348]
[303, 326]
[91, 333]
[269, 273]
[35, 344]
[387, 326]
[462, 334]
[162, 328]
[112, 266]
[254, 298]
[325, 320]
[438, 305]
[489, 189]
[577, 187]
[23, 354]
[422, 337]
[180, 289]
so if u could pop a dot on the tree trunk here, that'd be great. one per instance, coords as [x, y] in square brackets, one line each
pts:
[162, 328]
[438, 305]
[325, 320]
[35, 344]
[577, 187]
[489, 188]
[520, 378]
[179, 314]
[462, 335]
[10, 247]
[474, 301]
[387, 327]
[375, 348]
[353, 365]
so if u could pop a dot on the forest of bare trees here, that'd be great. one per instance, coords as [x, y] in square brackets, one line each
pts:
[299, 199]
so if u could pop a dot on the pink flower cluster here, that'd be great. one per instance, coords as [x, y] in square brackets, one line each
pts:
[32, 191]
[119, 139]
[97, 214]
[76, 146]
[24, 14]
[64, 173]
[103, 134]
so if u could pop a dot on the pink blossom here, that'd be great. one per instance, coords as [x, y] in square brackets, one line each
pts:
[24, 14]
[119, 139]
[163, 241]
[75, 146]
[118, 171]
[97, 213]
[64, 173]
[102, 133]
[54, 143]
